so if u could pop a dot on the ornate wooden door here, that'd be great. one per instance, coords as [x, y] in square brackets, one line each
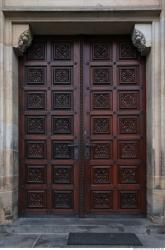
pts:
[82, 127]
[49, 127]
[114, 126]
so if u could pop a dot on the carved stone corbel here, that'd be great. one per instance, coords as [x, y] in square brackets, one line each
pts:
[22, 37]
[141, 38]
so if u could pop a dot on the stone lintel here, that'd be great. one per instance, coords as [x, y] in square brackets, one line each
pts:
[142, 38]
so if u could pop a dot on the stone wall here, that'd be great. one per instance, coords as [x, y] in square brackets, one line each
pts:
[17, 15]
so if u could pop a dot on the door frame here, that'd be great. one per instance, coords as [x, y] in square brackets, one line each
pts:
[155, 97]
[79, 46]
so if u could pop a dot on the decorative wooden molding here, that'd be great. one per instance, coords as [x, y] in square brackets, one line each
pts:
[141, 38]
[22, 38]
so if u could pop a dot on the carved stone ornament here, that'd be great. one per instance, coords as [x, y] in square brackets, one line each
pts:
[24, 41]
[139, 42]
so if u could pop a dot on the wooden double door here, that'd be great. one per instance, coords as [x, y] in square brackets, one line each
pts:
[82, 127]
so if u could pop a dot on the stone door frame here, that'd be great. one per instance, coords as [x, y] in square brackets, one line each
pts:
[148, 36]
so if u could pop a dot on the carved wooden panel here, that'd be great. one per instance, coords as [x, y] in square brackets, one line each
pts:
[101, 175]
[62, 150]
[129, 199]
[102, 75]
[128, 149]
[126, 51]
[37, 51]
[128, 100]
[63, 174]
[36, 199]
[62, 51]
[128, 75]
[35, 174]
[128, 174]
[62, 100]
[62, 125]
[35, 75]
[128, 124]
[100, 51]
[101, 125]
[35, 125]
[35, 100]
[102, 150]
[35, 149]
[63, 199]
[62, 75]
[102, 200]
[101, 100]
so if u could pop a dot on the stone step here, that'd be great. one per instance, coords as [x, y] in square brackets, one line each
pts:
[50, 229]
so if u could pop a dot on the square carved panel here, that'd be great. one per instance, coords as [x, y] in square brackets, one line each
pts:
[101, 150]
[101, 175]
[102, 100]
[62, 100]
[127, 50]
[128, 124]
[35, 75]
[63, 199]
[35, 124]
[36, 199]
[101, 51]
[128, 174]
[129, 199]
[35, 100]
[62, 50]
[101, 75]
[62, 75]
[128, 75]
[62, 125]
[129, 100]
[62, 174]
[36, 174]
[128, 149]
[62, 150]
[102, 200]
[101, 125]
[35, 149]
[36, 51]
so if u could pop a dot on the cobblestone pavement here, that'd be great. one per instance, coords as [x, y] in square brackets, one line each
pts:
[53, 232]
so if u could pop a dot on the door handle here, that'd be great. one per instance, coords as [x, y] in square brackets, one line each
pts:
[88, 147]
[76, 150]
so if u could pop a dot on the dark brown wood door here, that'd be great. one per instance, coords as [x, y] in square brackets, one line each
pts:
[49, 127]
[114, 118]
[82, 127]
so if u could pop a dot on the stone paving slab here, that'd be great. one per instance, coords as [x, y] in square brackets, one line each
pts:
[51, 241]
[152, 241]
[17, 241]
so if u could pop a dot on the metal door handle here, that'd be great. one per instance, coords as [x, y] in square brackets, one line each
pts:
[88, 147]
[76, 150]
[73, 145]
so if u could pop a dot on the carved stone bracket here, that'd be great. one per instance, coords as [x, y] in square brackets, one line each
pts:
[141, 38]
[22, 37]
